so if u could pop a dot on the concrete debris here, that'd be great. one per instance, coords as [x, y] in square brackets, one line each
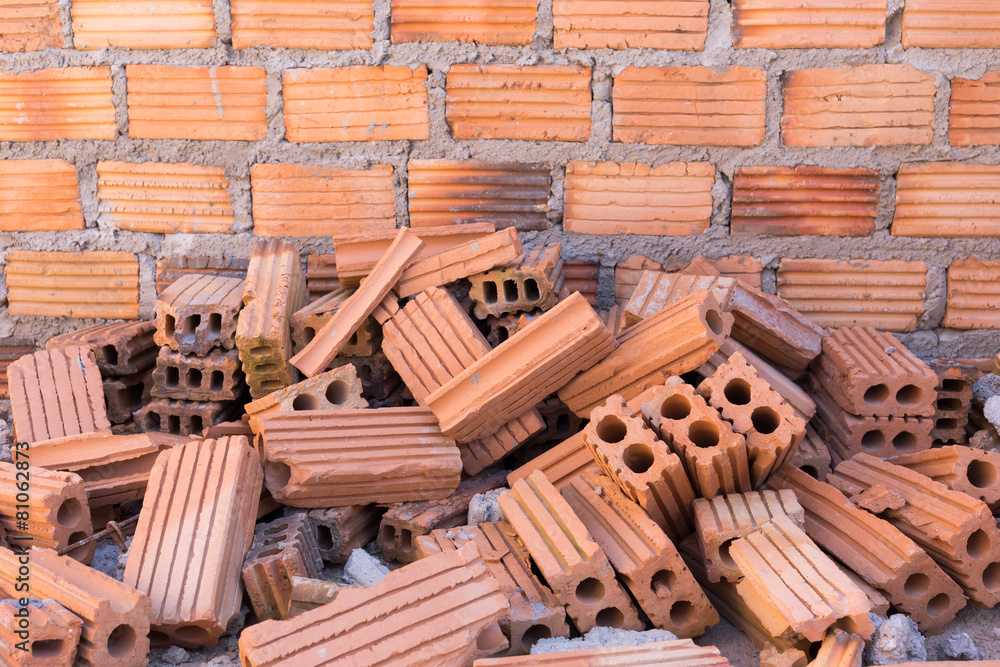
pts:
[958, 647]
[895, 641]
[364, 569]
[601, 637]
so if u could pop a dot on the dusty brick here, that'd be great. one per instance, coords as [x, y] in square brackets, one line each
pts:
[281, 549]
[652, 105]
[120, 349]
[535, 103]
[869, 105]
[657, 290]
[954, 400]
[598, 24]
[497, 249]
[168, 415]
[53, 633]
[198, 313]
[332, 390]
[83, 109]
[972, 289]
[12, 349]
[308, 24]
[974, 107]
[341, 530]
[365, 341]
[946, 199]
[30, 25]
[321, 275]
[951, 24]
[39, 195]
[972, 471]
[171, 269]
[124, 394]
[478, 22]
[774, 24]
[143, 24]
[217, 376]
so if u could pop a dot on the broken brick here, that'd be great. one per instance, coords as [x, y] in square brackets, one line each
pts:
[341, 530]
[125, 394]
[198, 312]
[972, 471]
[281, 549]
[120, 349]
[365, 341]
[178, 417]
[332, 390]
[53, 633]
[533, 280]
[657, 290]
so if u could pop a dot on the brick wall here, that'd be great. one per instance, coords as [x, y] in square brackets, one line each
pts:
[852, 150]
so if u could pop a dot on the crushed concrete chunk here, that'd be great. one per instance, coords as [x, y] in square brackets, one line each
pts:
[484, 508]
[958, 647]
[601, 637]
[991, 410]
[896, 640]
[364, 569]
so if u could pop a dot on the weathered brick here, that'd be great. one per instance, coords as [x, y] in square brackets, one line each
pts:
[120, 349]
[653, 105]
[341, 530]
[39, 195]
[582, 276]
[973, 286]
[365, 340]
[216, 376]
[536, 102]
[511, 22]
[53, 633]
[30, 25]
[800, 24]
[170, 269]
[143, 24]
[951, 24]
[281, 549]
[167, 415]
[599, 24]
[946, 199]
[307, 24]
[12, 349]
[198, 313]
[339, 388]
[57, 103]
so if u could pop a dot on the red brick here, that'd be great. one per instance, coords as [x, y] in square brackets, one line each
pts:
[951, 24]
[29, 25]
[53, 632]
[170, 269]
[689, 105]
[947, 199]
[200, 103]
[599, 24]
[975, 105]
[306, 24]
[39, 195]
[801, 24]
[582, 276]
[973, 286]
[360, 103]
[143, 24]
[12, 349]
[488, 22]
[321, 275]
[57, 103]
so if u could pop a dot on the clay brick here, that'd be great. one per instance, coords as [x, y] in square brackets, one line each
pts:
[55, 393]
[560, 463]
[954, 400]
[47, 636]
[503, 327]
[796, 587]
[445, 192]
[143, 24]
[339, 389]
[534, 612]
[571, 563]
[178, 417]
[311, 593]
[653, 105]
[480, 22]
[12, 349]
[972, 471]
[114, 468]
[178, 541]
[275, 288]
[869, 105]
[281, 549]
[361, 103]
[219, 103]
[38, 195]
[974, 105]
[772, 429]
[642, 555]
[582, 276]
[812, 456]
[955, 529]
[597, 24]
[677, 653]
[198, 313]
[82, 109]
[378, 379]
[316, 200]
[951, 24]
[321, 275]
[839, 649]
[947, 199]
[499, 248]
[791, 201]
[868, 372]
[630, 454]
[217, 376]
[401, 525]
[164, 198]
[30, 25]
[341, 530]
[627, 274]
[534, 103]
[550, 350]
[124, 394]
[120, 349]
[449, 604]
[333, 458]
[533, 280]
[95, 283]
[57, 510]
[774, 24]
[364, 342]
[657, 290]
[330, 25]
[673, 199]
[115, 616]
[673, 341]
[171, 269]
[973, 286]
[876, 550]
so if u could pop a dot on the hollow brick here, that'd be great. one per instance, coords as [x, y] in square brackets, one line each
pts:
[339, 389]
[40, 195]
[178, 417]
[308, 24]
[463, 261]
[365, 341]
[125, 394]
[121, 348]
[812, 456]
[560, 463]
[960, 468]
[99, 24]
[378, 379]
[532, 280]
[31, 112]
[477, 22]
[198, 313]
[53, 633]
[657, 290]
[215, 377]
[341, 530]
[172, 268]
[281, 549]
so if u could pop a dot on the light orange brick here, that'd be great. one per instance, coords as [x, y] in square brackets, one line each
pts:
[975, 111]
[944, 199]
[57, 103]
[361, 103]
[143, 24]
[973, 295]
[488, 22]
[29, 25]
[951, 24]
[305, 24]
[806, 24]
[39, 196]
[649, 24]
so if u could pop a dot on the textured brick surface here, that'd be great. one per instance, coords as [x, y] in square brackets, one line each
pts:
[281, 549]
[125, 394]
[598, 24]
[321, 275]
[365, 341]
[216, 376]
[341, 530]
[199, 312]
[53, 632]
[679, 653]
[812, 456]
[657, 290]
[560, 463]
[180, 417]
[974, 106]
[954, 400]
[30, 25]
[972, 471]
[39, 195]
[479, 21]
[143, 24]
[307, 24]
[973, 286]
[538, 102]
[582, 275]
[947, 199]
[170, 269]
[12, 349]
[799, 24]
[29, 111]
[951, 24]
[120, 349]
[689, 105]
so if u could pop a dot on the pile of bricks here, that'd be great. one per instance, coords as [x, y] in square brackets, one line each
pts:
[532, 467]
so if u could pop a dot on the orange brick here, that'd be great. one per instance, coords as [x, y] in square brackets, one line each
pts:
[870, 105]
[492, 22]
[629, 198]
[54, 633]
[321, 275]
[582, 276]
[947, 199]
[12, 349]
[315, 200]
[57, 103]
[676, 653]
[29, 25]
[164, 198]
[200, 103]
[975, 107]
[143, 24]
[538, 102]
[652, 24]
[361, 103]
[973, 286]
[690, 105]
[560, 464]
[305, 24]
[39, 196]
[951, 24]
[172, 268]
[97, 283]
[802, 24]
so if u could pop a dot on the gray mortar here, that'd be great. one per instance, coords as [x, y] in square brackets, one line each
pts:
[236, 157]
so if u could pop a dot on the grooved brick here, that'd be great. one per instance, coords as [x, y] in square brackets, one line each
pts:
[677, 653]
[972, 471]
[30, 25]
[329, 25]
[673, 199]
[338, 389]
[533, 280]
[598, 24]
[199, 312]
[869, 105]
[365, 341]
[321, 275]
[217, 376]
[120, 349]
[973, 289]
[39, 195]
[384, 103]
[53, 633]
[316, 200]
[791, 201]
[560, 463]
[57, 103]
[975, 104]
[341, 530]
[143, 24]
[487, 22]
[947, 199]
[689, 106]
[196, 103]
[801, 24]
[12, 349]
[657, 290]
[281, 549]
[535, 102]
[951, 24]
[499, 248]
[170, 269]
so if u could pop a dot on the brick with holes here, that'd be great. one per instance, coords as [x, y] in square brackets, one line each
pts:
[168, 415]
[332, 390]
[378, 378]
[281, 549]
[217, 376]
[533, 280]
[812, 455]
[954, 400]
[125, 394]
[121, 348]
[341, 530]
[198, 312]
[972, 471]
[48, 630]
[364, 342]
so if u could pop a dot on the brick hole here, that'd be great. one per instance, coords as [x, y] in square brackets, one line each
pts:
[946, 423]
[191, 633]
[169, 325]
[510, 291]
[152, 422]
[949, 404]
[191, 324]
[502, 334]
[611, 429]
[270, 551]
[938, 604]
[909, 395]
[951, 385]
[266, 368]
[121, 641]
[675, 407]
[69, 513]
[531, 292]
[110, 354]
[406, 539]
[991, 576]
[305, 402]
[981, 474]
[45, 649]
[131, 397]
[174, 424]
[277, 473]
[197, 425]
[811, 471]
[872, 441]
[354, 339]
[337, 392]
[765, 420]
[214, 326]
[366, 372]
[562, 425]
[704, 433]
[738, 391]
[271, 385]
[916, 585]
[877, 394]
[216, 380]
[813, 650]
[662, 583]
[309, 333]
[714, 321]
[904, 441]
[388, 533]
[193, 378]
[533, 634]
[638, 458]
[324, 537]
[489, 291]
[172, 376]
[978, 544]
[491, 639]
[682, 613]
[724, 555]
[78, 554]
[590, 590]
[610, 617]
[157, 638]
[259, 350]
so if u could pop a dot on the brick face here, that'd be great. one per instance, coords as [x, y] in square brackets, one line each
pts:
[355, 104]
[490, 22]
[806, 24]
[304, 24]
[540, 102]
[39, 196]
[60, 103]
[947, 199]
[644, 24]
[143, 24]
[689, 105]
[200, 103]
[975, 111]
[951, 24]
[29, 25]
[871, 105]
[973, 303]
